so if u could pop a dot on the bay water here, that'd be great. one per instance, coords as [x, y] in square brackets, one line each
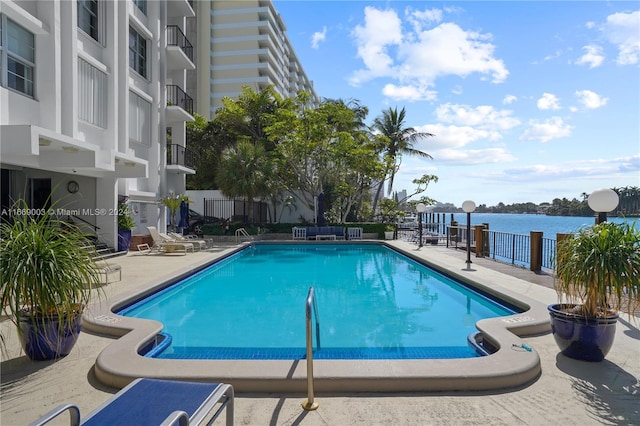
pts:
[525, 223]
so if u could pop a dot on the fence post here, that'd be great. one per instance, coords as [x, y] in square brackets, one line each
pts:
[485, 241]
[479, 240]
[559, 238]
[454, 232]
[536, 250]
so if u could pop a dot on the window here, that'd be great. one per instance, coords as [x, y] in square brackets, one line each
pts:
[92, 94]
[142, 5]
[88, 18]
[137, 52]
[18, 51]
[139, 120]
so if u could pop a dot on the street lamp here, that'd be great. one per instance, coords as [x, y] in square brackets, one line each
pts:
[468, 206]
[420, 208]
[603, 201]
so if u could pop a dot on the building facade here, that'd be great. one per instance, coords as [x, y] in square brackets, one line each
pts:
[243, 43]
[93, 108]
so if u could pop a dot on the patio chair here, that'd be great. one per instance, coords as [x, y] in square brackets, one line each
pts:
[354, 233]
[164, 245]
[197, 242]
[156, 402]
[299, 233]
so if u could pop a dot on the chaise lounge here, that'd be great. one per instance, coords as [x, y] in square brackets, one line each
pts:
[163, 245]
[147, 402]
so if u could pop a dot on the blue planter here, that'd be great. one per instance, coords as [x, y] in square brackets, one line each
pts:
[587, 339]
[124, 239]
[44, 339]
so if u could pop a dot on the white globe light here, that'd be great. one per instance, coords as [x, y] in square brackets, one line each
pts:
[468, 206]
[603, 200]
[421, 208]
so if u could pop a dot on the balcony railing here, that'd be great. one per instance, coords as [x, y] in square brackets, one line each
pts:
[177, 96]
[178, 155]
[175, 37]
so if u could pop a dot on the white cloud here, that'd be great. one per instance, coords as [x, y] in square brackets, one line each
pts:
[451, 137]
[590, 99]
[509, 99]
[417, 57]
[554, 55]
[548, 101]
[418, 18]
[473, 156]
[317, 37]
[382, 29]
[592, 169]
[483, 116]
[544, 131]
[621, 29]
[593, 56]
[409, 93]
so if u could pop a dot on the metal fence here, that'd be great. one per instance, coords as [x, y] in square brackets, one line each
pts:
[235, 210]
[503, 246]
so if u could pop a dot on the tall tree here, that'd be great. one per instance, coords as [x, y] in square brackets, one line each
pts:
[395, 140]
[323, 147]
[246, 117]
[244, 171]
[206, 143]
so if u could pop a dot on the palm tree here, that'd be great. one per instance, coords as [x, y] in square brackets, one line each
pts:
[395, 140]
[244, 171]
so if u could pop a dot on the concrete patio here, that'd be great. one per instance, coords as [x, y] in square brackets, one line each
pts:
[567, 392]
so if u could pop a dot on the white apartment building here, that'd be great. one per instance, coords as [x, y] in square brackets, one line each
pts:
[93, 107]
[244, 43]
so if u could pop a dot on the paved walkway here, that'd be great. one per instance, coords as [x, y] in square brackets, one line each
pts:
[567, 392]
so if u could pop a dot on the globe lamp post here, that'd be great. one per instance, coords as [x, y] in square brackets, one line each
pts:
[603, 201]
[468, 206]
[420, 208]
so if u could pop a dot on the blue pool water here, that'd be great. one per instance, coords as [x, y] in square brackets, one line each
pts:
[373, 302]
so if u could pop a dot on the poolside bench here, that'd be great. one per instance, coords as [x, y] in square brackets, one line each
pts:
[325, 232]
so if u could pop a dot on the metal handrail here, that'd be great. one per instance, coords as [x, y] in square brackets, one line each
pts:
[241, 232]
[309, 403]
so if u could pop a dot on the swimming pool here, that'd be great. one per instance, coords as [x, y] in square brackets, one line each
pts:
[122, 360]
[373, 303]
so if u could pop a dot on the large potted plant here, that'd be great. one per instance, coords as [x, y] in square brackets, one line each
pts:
[47, 275]
[173, 202]
[597, 275]
[125, 225]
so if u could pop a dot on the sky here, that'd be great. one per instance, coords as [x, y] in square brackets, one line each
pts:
[528, 101]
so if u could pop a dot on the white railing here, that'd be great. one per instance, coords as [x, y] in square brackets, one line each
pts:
[242, 233]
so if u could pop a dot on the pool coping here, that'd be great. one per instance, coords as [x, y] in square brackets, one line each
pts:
[510, 366]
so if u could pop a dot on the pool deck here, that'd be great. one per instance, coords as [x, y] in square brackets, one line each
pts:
[565, 392]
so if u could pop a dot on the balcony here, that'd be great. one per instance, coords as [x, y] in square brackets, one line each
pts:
[180, 159]
[180, 8]
[179, 105]
[179, 49]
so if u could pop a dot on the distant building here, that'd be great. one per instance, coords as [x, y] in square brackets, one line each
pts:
[243, 43]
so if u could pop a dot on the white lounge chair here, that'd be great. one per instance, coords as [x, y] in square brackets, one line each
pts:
[164, 245]
[200, 244]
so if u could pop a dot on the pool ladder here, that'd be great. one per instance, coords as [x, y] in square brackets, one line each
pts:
[311, 305]
[241, 232]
